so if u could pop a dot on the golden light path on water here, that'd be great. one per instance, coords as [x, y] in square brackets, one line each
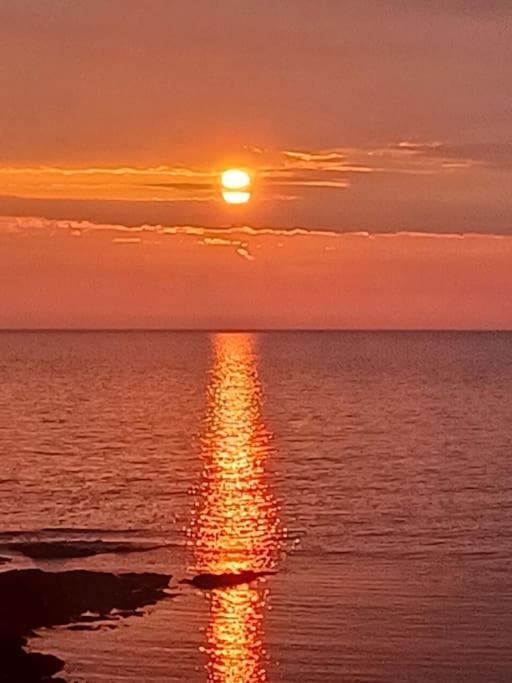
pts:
[236, 524]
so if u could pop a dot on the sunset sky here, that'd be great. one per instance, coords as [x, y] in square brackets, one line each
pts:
[378, 134]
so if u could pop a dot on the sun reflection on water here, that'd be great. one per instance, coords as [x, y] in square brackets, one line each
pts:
[236, 524]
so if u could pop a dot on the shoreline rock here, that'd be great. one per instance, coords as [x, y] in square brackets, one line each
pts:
[33, 599]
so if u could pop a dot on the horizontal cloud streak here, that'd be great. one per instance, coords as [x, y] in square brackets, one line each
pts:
[210, 235]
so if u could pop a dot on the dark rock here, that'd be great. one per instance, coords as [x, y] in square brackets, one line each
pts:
[32, 599]
[212, 581]
[20, 666]
[59, 550]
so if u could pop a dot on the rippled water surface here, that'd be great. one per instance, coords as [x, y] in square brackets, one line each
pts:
[366, 475]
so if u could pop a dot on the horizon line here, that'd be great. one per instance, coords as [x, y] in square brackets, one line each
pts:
[244, 330]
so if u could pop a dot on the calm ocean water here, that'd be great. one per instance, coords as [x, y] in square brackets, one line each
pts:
[370, 472]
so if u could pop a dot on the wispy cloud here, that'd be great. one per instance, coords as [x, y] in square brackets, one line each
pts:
[243, 240]
[461, 155]
[402, 157]
[159, 183]
[240, 247]
[127, 240]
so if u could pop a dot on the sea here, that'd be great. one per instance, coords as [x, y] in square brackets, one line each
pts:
[361, 480]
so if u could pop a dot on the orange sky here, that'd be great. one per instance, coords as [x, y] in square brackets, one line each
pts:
[379, 134]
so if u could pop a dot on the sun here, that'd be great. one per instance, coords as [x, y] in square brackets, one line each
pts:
[236, 186]
[235, 179]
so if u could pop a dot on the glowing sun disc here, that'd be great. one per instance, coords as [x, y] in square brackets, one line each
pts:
[232, 197]
[235, 179]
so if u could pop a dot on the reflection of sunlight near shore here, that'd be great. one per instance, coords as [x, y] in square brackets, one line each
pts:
[236, 525]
